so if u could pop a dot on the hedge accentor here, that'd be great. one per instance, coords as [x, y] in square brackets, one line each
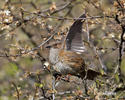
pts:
[68, 59]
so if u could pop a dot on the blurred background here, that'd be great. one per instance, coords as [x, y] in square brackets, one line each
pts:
[26, 24]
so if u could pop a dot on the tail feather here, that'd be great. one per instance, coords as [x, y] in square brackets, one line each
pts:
[90, 74]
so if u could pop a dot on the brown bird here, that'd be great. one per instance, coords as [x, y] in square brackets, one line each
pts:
[68, 59]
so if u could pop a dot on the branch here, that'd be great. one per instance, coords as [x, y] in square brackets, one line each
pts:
[121, 47]
[95, 49]
[42, 89]
[18, 95]
[121, 6]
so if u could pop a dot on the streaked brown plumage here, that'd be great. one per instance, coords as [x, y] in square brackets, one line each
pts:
[68, 59]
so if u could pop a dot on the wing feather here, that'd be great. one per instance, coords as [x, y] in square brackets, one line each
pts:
[74, 40]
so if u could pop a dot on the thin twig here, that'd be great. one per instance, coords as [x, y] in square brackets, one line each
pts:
[99, 58]
[35, 93]
[62, 8]
[18, 95]
[87, 28]
[58, 10]
[95, 50]
[121, 6]
[53, 87]
[66, 18]
[42, 89]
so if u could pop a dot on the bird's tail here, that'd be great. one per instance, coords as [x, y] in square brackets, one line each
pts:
[91, 74]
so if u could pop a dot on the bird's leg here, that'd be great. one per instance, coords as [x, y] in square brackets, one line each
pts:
[86, 73]
[85, 87]
[85, 82]
[67, 78]
[53, 87]
[57, 75]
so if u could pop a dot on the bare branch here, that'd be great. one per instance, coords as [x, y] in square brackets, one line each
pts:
[17, 91]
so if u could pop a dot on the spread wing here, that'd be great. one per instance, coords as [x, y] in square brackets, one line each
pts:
[74, 37]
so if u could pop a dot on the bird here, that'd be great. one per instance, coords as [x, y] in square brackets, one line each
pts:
[68, 59]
